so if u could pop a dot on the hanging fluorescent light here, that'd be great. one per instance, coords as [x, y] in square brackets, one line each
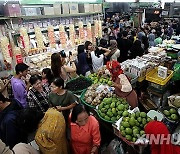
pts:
[168, 1]
[70, 1]
[153, 1]
[120, 1]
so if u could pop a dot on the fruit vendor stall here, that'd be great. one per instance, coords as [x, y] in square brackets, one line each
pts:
[115, 115]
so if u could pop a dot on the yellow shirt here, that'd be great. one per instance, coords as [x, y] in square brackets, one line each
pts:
[51, 134]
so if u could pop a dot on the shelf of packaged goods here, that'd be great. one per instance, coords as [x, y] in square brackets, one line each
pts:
[49, 16]
[45, 30]
[53, 16]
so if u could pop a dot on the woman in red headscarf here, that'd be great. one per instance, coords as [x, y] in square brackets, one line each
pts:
[160, 144]
[121, 83]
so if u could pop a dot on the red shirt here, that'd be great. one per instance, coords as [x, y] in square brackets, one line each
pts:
[83, 138]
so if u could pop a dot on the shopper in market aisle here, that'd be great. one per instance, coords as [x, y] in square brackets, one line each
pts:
[178, 29]
[47, 76]
[60, 69]
[164, 34]
[115, 52]
[158, 40]
[111, 34]
[160, 145]
[61, 98]
[103, 43]
[133, 37]
[37, 96]
[121, 83]
[106, 34]
[98, 57]
[124, 46]
[151, 38]
[49, 128]
[19, 87]
[136, 50]
[145, 44]
[10, 133]
[82, 65]
[170, 30]
[85, 133]
[141, 33]
[89, 48]
[116, 31]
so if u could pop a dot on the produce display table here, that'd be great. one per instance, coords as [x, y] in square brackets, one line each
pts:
[109, 108]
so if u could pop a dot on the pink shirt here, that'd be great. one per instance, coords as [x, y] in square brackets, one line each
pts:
[83, 138]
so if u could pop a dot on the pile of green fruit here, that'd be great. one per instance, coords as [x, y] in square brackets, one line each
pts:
[103, 79]
[171, 114]
[112, 109]
[132, 125]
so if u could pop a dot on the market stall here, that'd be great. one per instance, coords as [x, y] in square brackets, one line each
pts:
[114, 113]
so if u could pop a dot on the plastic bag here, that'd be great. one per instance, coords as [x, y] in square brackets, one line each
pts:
[114, 147]
[176, 74]
[174, 100]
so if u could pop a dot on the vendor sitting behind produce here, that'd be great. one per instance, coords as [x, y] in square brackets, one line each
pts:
[121, 83]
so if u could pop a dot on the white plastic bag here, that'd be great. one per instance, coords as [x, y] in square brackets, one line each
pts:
[114, 147]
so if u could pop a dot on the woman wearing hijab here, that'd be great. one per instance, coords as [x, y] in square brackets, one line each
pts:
[121, 83]
[160, 133]
[82, 65]
[49, 128]
[115, 52]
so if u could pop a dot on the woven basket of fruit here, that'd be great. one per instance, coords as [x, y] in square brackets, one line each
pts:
[83, 100]
[171, 117]
[77, 85]
[131, 126]
[111, 109]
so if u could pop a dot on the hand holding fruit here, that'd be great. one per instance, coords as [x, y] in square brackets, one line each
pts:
[117, 85]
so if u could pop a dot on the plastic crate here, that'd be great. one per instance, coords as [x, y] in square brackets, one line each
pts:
[159, 87]
[152, 76]
[142, 78]
[133, 78]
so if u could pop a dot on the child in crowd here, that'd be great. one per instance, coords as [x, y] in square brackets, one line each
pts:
[47, 76]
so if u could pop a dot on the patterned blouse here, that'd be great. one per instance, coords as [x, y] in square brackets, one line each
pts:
[38, 100]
